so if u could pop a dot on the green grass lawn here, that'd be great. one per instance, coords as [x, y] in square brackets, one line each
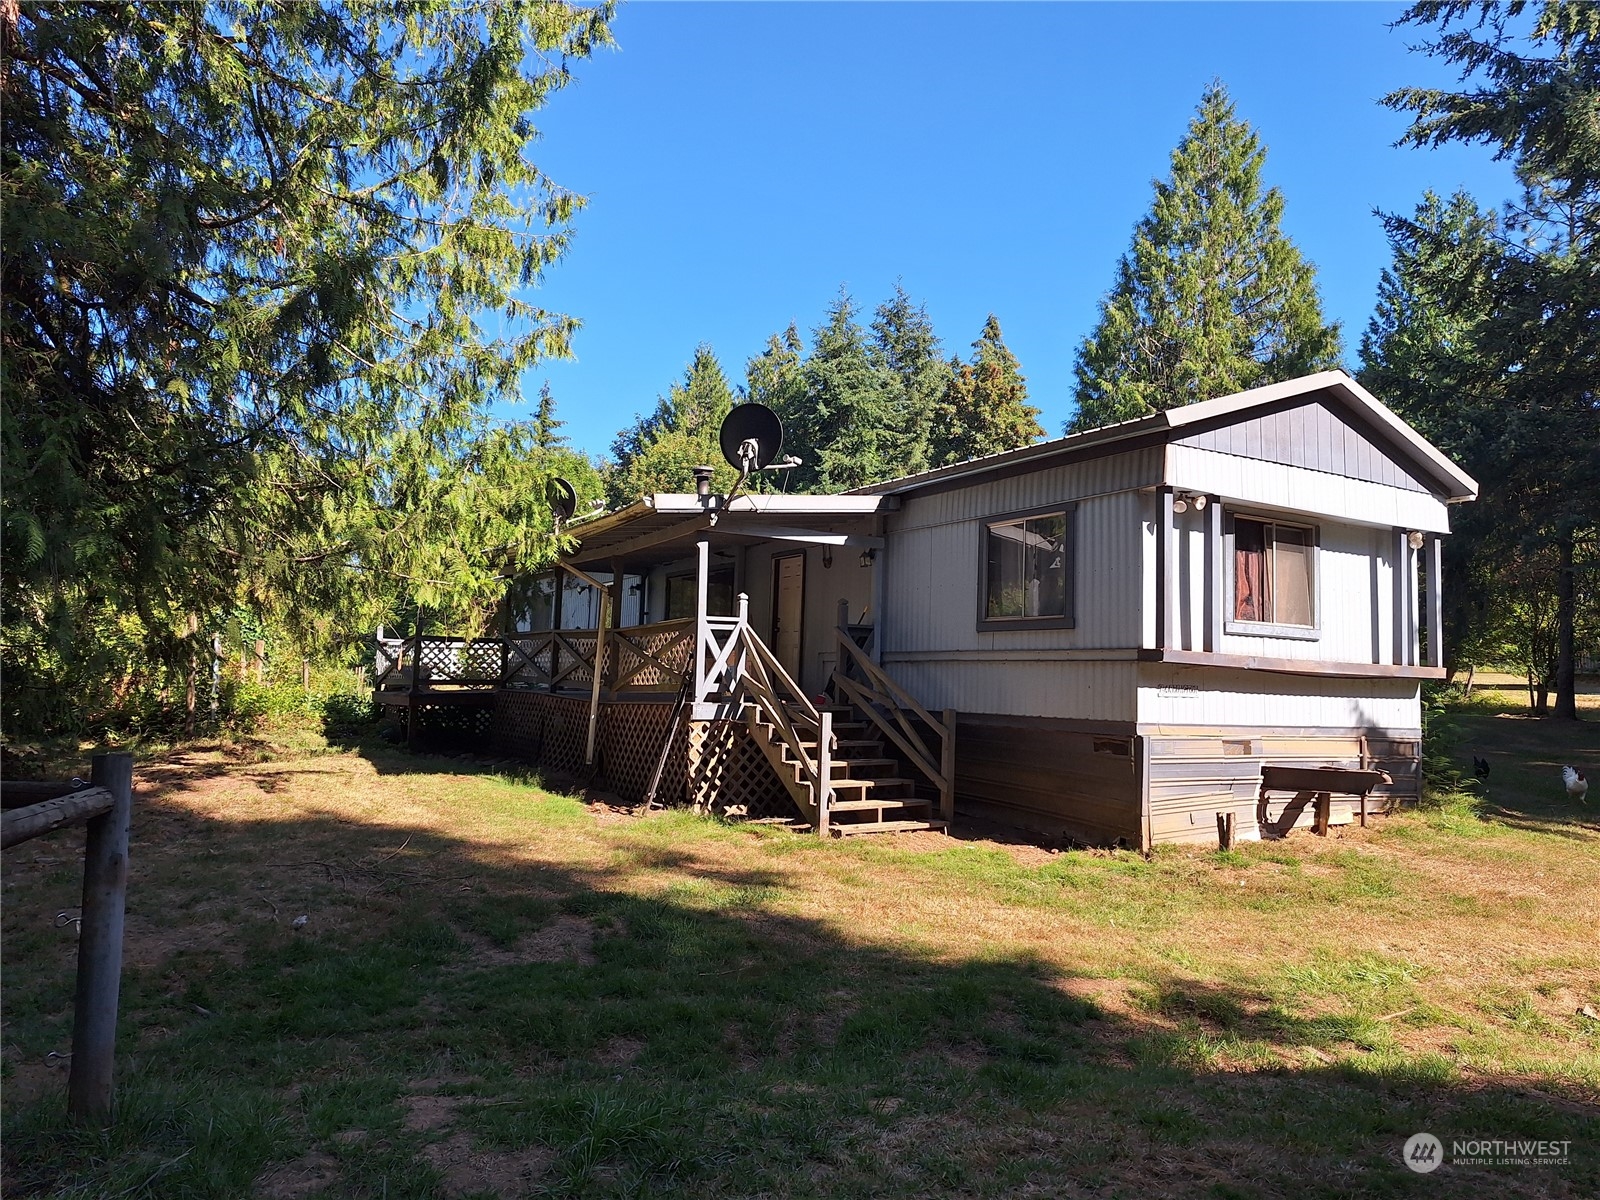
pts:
[501, 991]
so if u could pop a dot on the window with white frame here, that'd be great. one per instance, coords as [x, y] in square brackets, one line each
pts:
[1027, 576]
[1273, 583]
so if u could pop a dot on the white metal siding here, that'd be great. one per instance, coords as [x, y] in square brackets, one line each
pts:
[935, 548]
[846, 579]
[1186, 697]
[1071, 689]
[1298, 489]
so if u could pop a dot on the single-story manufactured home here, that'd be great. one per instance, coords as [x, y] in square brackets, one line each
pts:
[1104, 637]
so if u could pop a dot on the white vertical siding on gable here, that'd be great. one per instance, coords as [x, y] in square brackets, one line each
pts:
[1301, 490]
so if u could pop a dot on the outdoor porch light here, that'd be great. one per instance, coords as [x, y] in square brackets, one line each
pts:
[1414, 539]
[867, 556]
[1182, 501]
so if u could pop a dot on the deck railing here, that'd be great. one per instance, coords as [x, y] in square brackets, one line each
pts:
[639, 660]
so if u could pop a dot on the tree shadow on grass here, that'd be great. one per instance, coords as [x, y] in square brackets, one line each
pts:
[645, 1020]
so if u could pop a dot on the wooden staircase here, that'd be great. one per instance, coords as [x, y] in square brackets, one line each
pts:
[854, 767]
[870, 794]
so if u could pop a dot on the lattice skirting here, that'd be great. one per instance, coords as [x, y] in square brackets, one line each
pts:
[449, 726]
[550, 731]
[714, 765]
[728, 774]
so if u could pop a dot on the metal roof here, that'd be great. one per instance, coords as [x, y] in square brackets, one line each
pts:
[1455, 483]
[662, 526]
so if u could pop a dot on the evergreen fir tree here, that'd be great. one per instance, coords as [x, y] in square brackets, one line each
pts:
[906, 347]
[545, 422]
[774, 378]
[841, 425]
[984, 409]
[1211, 298]
[1530, 301]
[658, 453]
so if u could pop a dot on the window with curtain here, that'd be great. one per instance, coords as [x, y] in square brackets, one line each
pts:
[1274, 573]
[1028, 569]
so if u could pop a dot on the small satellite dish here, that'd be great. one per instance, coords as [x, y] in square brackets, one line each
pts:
[751, 437]
[563, 500]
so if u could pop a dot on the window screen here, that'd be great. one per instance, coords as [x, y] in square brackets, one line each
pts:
[1026, 568]
[719, 594]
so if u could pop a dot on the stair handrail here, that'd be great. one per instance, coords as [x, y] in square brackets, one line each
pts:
[939, 770]
[763, 679]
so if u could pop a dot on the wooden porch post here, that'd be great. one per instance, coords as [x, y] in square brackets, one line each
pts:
[555, 601]
[595, 673]
[416, 676]
[615, 605]
[702, 631]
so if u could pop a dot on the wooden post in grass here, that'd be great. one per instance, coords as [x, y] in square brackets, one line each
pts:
[1224, 831]
[105, 892]
[261, 660]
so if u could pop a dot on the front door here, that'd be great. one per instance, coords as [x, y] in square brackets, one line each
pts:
[788, 610]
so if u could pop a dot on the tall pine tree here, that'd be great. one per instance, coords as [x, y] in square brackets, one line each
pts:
[658, 453]
[984, 409]
[906, 347]
[1532, 301]
[841, 426]
[1211, 298]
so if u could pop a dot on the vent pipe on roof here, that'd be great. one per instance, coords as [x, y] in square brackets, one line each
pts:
[702, 481]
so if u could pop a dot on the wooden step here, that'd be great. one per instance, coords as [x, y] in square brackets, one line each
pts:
[892, 788]
[878, 803]
[850, 830]
[864, 768]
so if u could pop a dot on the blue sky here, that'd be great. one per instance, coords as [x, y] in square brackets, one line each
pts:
[743, 161]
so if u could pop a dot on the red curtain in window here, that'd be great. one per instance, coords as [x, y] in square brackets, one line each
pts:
[1250, 599]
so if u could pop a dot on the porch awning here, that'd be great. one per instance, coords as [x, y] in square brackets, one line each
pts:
[664, 526]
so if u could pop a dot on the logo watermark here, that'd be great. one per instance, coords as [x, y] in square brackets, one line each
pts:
[1423, 1152]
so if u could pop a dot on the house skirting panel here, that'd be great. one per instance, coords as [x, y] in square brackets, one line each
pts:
[1195, 773]
[1110, 784]
[1053, 777]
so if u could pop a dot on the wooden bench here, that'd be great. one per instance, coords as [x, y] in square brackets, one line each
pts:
[1313, 784]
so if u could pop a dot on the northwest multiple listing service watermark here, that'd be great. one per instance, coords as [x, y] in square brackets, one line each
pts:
[1423, 1153]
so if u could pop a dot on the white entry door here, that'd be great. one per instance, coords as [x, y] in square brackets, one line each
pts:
[788, 610]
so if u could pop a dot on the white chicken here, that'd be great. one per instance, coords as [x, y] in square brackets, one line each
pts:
[1577, 785]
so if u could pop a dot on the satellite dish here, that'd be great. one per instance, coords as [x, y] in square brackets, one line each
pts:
[563, 500]
[751, 437]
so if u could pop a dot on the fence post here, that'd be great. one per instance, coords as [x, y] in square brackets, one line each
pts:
[105, 891]
[261, 660]
[305, 674]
